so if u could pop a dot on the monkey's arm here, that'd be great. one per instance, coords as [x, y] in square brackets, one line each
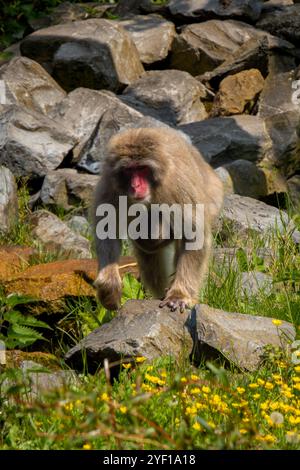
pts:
[108, 282]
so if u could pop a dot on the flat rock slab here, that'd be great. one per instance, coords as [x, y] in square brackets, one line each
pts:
[141, 328]
[51, 284]
[94, 53]
[239, 337]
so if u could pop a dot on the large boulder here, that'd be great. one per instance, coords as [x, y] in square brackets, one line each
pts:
[284, 23]
[152, 35]
[8, 201]
[201, 47]
[67, 188]
[171, 96]
[29, 85]
[56, 237]
[202, 10]
[142, 328]
[244, 215]
[94, 53]
[81, 112]
[245, 178]
[238, 93]
[31, 144]
[222, 140]
[278, 95]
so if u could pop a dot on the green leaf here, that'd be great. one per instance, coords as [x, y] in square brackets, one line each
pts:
[16, 317]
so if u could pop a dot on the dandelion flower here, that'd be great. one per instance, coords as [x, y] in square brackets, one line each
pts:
[140, 359]
[126, 366]
[123, 409]
[104, 396]
[277, 322]
[197, 426]
[87, 446]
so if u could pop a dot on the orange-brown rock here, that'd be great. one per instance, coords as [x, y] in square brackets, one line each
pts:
[237, 93]
[13, 260]
[52, 283]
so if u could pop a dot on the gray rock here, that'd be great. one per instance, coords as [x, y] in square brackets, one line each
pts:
[202, 47]
[171, 96]
[293, 185]
[38, 380]
[81, 112]
[254, 282]
[240, 338]
[94, 53]
[8, 201]
[277, 95]
[284, 132]
[56, 237]
[80, 225]
[253, 54]
[244, 215]
[204, 10]
[284, 23]
[273, 5]
[31, 144]
[222, 140]
[141, 328]
[29, 85]
[67, 188]
[247, 179]
[152, 35]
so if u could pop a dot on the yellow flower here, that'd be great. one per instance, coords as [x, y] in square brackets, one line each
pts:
[264, 406]
[276, 376]
[126, 366]
[253, 385]
[296, 387]
[191, 410]
[269, 438]
[87, 446]
[104, 396]
[183, 379]
[261, 382]
[211, 424]
[245, 420]
[243, 431]
[296, 379]
[196, 426]
[256, 396]
[297, 368]
[69, 406]
[78, 402]
[206, 389]
[140, 359]
[163, 374]
[194, 377]
[240, 390]
[277, 322]
[294, 420]
[269, 386]
[195, 391]
[123, 409]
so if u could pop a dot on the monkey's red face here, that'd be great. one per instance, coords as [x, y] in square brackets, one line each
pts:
[138, 182]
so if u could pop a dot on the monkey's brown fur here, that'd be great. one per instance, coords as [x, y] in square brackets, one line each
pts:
[179, 175]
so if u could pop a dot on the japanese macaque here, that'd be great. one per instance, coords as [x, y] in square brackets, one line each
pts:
[157, 166]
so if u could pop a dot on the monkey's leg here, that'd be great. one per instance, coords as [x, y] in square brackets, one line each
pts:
[108, 282]
[191, 269]
[157, 269]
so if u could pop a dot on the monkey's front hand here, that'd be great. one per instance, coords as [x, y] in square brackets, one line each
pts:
[176, 301]
[109, 288]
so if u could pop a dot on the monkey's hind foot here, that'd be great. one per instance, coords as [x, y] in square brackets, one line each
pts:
[174, 303]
